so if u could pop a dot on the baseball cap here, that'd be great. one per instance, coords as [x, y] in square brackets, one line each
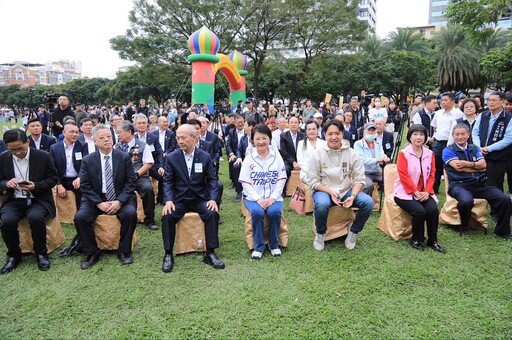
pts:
[370, 125]
[318, 115]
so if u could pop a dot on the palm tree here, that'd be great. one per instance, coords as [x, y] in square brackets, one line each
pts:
[407, 39]
[372, 47]
[457, 61]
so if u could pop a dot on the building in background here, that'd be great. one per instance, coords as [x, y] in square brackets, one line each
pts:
[368, 12]
[28, 74]
[437, 10]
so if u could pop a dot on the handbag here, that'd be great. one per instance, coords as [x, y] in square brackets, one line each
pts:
[298, 201]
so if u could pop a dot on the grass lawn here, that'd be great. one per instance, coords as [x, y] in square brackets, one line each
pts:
[381, 289]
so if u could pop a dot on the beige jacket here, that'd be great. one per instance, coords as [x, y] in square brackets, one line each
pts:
[336, 169]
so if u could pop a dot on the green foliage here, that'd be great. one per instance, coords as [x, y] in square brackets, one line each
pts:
[84, 90]
[478, 17]
[407, 39]
[496, 66]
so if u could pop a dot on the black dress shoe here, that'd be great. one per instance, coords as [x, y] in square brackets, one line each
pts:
[464, 230]
[10, 264]
[213, 260]
[436, 246]
[72, 247]
[152, 226]
[125, 258]
[506, 237]
[90, 260]
[416, 245]
[43, 262]
[168, 264]
[238, 197]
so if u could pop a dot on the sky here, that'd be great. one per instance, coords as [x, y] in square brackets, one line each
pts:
[40, 31]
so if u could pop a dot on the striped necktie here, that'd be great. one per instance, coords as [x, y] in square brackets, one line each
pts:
[109, 181]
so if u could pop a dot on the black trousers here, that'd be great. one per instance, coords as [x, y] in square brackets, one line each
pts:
[422, 212]
[11, 213]
[67, 183]
[496, 172]
[145, 189]
[210, 219]
[84, 223]
[235, 174]
[438, 147]
[464, 193]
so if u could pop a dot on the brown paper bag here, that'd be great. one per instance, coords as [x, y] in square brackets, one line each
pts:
[189, 230]
[338, 222]
[107, 230]
[293, 182]
[54, 235]
[66, 207]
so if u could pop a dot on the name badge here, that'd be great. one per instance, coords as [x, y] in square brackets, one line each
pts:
[78, 156]
[354, 137]
[388, 146]
[152, 148]
[198, 168]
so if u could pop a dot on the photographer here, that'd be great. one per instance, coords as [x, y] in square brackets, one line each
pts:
[465, 167]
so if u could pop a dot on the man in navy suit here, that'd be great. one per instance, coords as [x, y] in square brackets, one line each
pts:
[27, 177]
[141, 124]
[167, 140]
[114, 119]
[383, 137]
[232, 142]
[67, 157]
[107, 181]
[240, 154]
[39, 140]
[190, 184]
[211, 137]
[289, 142]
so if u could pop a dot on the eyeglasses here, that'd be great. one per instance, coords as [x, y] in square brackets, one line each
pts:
[18, 150]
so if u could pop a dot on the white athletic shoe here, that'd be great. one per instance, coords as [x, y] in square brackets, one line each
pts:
[319, 242]
[257, 255]
[275, 252]
[350, 241]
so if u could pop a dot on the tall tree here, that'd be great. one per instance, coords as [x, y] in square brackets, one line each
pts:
[478, 17]
[372, 46]
[457, 60]
[407, 39]
[496, 67]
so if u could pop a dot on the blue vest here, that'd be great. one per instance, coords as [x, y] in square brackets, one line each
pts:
[455, 176]
[497, 134]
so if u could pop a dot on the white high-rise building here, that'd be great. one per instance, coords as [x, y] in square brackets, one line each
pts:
[368, 12]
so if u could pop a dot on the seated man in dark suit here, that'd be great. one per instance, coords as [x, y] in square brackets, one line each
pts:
[37, 139]
[233, 138]
[107, 181]
[3, 147]
[465, 167]
[67, 157]
[190, 184]
[384, 137]
[208, 148]
[211, 137]
[142, 160]
[241, 151]
[167, 140]
[27, 177]
[289, 141]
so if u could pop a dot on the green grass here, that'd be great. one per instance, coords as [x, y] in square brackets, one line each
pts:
[382, 289]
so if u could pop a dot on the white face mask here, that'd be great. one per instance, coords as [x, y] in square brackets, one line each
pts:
[377, 104]
[370, 137]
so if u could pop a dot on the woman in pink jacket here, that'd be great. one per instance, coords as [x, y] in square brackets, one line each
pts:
[414, 188]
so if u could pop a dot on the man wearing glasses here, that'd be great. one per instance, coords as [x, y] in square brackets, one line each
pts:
[27, 176]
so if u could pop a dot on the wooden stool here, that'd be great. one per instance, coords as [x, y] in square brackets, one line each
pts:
[338, 221]
[154, 184]
[189, 230]
[107, 230]
[66, 207]
[293, 182]
[450, 214]
[310, 205]
[140, 209]
[54, 235]
[283, 231]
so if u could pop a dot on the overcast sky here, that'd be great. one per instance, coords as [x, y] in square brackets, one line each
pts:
[40, 31]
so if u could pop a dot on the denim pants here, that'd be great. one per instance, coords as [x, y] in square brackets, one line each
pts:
[323, 203]
[258, 228]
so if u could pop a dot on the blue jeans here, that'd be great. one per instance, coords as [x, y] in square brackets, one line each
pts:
[258, 228]
[323, 203]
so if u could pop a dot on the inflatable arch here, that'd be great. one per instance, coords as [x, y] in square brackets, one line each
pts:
[206, 62]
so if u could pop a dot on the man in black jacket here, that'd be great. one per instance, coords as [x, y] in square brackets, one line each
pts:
[61, 111]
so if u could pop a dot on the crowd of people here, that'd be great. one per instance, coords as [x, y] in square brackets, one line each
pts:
[105, 156]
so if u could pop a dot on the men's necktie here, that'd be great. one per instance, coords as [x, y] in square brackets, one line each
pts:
[109, 181]
[125, 148]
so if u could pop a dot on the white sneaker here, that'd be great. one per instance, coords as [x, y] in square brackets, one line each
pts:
[350, 241]
[256, 255]
[319, 242]
[275, 252]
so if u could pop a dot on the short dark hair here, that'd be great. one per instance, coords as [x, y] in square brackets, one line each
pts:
[84, 120]
[126, 126]
[334, 122]
[417, 128]
[470, 100]
[93, 116]
[508, 97]
[32, 120]
[194, 121]
[251, 122]
[15, 135]
[261, 128]
[429, 98]
[449, 95]
[499, 94]
[311, 121]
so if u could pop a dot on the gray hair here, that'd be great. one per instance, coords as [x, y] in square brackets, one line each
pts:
[460, 126]
[112, 116]
[98, 128]
[126, 126]
[139, 116]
